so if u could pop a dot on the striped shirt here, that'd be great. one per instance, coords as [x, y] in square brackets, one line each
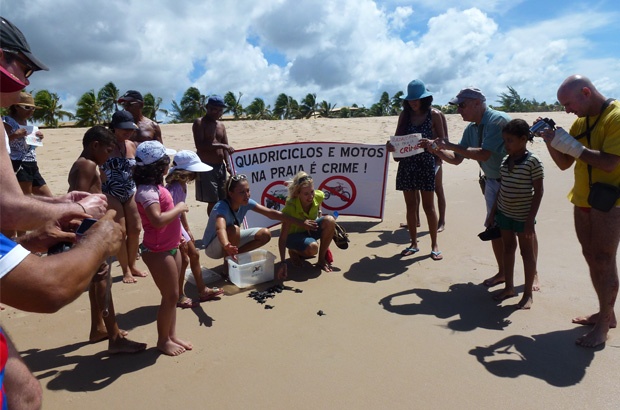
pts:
[517, 190]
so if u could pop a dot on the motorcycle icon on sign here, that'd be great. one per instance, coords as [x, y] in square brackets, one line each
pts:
[338, 190]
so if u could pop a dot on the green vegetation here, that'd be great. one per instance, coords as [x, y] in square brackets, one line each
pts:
[97, 107]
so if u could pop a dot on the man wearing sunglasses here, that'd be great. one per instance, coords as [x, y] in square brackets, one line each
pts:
[481, 141]
[148, 129]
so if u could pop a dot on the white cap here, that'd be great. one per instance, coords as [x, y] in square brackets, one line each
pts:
[149, 152]
[189, 161]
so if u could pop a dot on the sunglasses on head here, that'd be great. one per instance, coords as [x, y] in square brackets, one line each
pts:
[26, 107]
[15, 56]
[236, 178]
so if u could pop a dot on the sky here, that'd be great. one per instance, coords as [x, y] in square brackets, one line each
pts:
[345, 51]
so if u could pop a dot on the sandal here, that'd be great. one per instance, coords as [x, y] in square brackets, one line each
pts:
[186, 303]
[409, 251]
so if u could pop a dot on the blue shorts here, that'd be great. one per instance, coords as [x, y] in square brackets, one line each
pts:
[299, 241]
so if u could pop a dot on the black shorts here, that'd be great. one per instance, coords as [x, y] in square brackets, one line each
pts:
[28, 172]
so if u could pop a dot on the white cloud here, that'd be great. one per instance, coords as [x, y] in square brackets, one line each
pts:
[346, 52]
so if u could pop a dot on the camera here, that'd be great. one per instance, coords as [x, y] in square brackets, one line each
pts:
[65, 246]
[542, 125]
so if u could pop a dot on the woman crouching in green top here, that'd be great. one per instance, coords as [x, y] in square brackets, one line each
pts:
[304, 202]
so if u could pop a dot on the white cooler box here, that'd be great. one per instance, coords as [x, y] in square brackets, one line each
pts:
[251, 268]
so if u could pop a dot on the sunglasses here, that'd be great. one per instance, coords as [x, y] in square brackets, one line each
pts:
[129, 103]
[15, 56]
[236, 178]
[462, 105]
[26, 107]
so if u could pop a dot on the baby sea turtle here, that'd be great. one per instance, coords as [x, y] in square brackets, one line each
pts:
[268, 307]
[299, 291]
[320, 313]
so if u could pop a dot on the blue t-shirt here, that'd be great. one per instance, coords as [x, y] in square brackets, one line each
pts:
[11, 255]
[223, 209]
[492, 123]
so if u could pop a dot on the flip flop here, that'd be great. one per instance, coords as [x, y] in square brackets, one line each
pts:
[212, 293]
[436, 255]
[409, 251]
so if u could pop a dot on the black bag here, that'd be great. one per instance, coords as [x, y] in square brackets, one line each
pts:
[341, 238]
[603, 196]
[482, 180]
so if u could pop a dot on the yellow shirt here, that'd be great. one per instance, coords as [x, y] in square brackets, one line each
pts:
[605, 137]
[293, 208]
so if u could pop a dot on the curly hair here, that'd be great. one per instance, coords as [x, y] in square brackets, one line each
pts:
[181, 175]
[152, 174]
[298, 182]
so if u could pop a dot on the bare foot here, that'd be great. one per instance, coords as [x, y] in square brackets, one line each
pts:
[525, 302]
[124, 345]
[138, 273]
[591, 320]
[183, 343]
[128, 278]
[100, 335]
[324, 266]
[494, 280]
[536, 284]
[504, 294]
[597, 336]
[441, 226]
[170, 348]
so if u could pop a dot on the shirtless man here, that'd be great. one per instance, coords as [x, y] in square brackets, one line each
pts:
[212, 146]
[148, 129]
[593, 144]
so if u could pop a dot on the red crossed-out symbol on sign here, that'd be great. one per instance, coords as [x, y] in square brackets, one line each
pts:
[339, 189]
[274, 195]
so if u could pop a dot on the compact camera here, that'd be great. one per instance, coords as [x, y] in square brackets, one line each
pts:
[542, 125]
[81, 230]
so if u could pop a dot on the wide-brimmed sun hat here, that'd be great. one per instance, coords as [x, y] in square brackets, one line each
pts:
[416, 90]
[150, 152]
[26, 99]
[189, 161]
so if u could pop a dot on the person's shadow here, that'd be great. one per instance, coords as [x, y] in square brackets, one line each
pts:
[91, 373]
[552, 357]
[373, 268]
[472, 304]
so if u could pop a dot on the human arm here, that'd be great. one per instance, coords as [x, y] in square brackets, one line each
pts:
[157, 132]
[23, 390]
[221, 235]
[50, 234]
[279, 216]
[46, 284]
[159, 219]
[207, 141]
[536, 200]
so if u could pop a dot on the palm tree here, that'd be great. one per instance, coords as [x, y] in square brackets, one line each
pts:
[286, 108]
[50, 110]
[151, 106]
[512, 101]
[325, 109]
[233, 104]
[89, 111]
[257, 110]
[108, 97]
[191, 106]
[308, 106]
[396, 105]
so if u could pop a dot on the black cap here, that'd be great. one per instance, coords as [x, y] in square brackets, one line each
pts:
[131, 95]
[12, 39]
[123, 120]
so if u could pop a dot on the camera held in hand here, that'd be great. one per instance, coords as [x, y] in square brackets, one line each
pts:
[541, 125]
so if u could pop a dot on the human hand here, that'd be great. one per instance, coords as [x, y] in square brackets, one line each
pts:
[282, 271]
[229, 149]
[231, 250]
[311, 225]
[19, 133]
[48, 235]
[39, 134]
[105, 232]
[390, 147]
[182, 207]
[94, 205]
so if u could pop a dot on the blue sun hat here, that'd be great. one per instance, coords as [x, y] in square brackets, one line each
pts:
[416, 90]
[150, 152]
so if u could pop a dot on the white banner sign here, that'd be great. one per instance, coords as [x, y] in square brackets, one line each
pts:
[406, 145]
[353, 176]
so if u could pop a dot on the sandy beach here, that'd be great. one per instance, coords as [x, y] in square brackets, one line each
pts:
[398, 333]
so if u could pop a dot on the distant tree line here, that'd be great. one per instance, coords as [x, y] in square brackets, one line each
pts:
[97, 107]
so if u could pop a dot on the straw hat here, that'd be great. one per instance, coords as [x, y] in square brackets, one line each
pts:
[26, 99]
